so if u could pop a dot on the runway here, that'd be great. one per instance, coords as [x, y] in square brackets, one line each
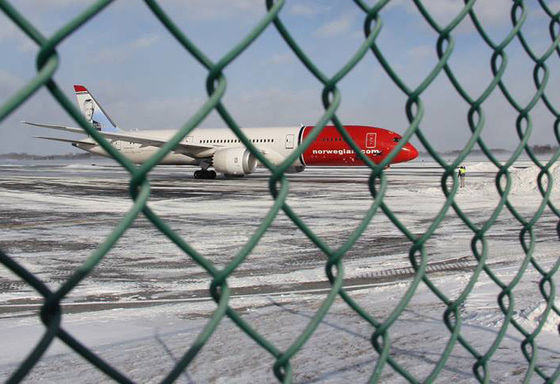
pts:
[54, 214]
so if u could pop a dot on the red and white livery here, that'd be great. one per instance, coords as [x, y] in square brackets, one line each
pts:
[221, 150]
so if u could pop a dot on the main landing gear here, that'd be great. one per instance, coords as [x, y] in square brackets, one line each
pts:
[204, 174]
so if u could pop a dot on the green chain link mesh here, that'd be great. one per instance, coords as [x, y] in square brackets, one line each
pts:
[47, 64]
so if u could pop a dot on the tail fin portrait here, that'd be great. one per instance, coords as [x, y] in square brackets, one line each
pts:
[92, 111]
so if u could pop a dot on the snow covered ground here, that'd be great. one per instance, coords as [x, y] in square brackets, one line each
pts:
[146, 302]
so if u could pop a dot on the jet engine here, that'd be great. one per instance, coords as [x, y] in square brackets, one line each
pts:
[234, 161]
[276, 159]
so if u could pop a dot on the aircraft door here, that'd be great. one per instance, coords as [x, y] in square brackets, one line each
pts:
[371, 140]
[289, 141]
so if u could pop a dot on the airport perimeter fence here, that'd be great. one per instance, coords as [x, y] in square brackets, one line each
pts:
[51, 313]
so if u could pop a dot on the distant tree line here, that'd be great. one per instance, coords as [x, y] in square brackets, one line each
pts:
[537, 149]
[544, 148]
[456, 152]
[27, 156]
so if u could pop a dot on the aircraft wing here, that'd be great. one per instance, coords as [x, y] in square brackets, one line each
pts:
[189, 149]
[67, 140]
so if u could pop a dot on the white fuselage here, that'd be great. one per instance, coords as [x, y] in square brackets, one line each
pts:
[276, 143]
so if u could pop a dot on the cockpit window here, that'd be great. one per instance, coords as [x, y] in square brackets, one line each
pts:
[396, 139]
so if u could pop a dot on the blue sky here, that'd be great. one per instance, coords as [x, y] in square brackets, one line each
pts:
[145, 80]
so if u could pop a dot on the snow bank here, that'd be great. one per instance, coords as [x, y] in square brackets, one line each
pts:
[481, 167]
[524, 179]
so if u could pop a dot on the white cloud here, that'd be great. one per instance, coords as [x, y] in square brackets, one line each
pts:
[9, 32]
[303, 10]
[495, 12]
[249, 108]
[144, 42]
[60, 3]
[218, 10]
[443, 10]
[336, 27]
[280, 59]
[123, 53]
[421, 52]
[490, 12]
[9, 83]
[554, 6]
[165, 113]
[274, 107]
[34, 6]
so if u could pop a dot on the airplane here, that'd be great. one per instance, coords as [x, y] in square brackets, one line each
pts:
[223, 151]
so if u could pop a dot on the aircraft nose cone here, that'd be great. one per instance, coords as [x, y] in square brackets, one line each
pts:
[407, 153]
[410, 152]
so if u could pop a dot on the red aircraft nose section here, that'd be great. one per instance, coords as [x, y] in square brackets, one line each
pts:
[407, 153]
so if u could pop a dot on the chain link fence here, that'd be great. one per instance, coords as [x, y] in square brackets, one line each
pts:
[51, 316]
